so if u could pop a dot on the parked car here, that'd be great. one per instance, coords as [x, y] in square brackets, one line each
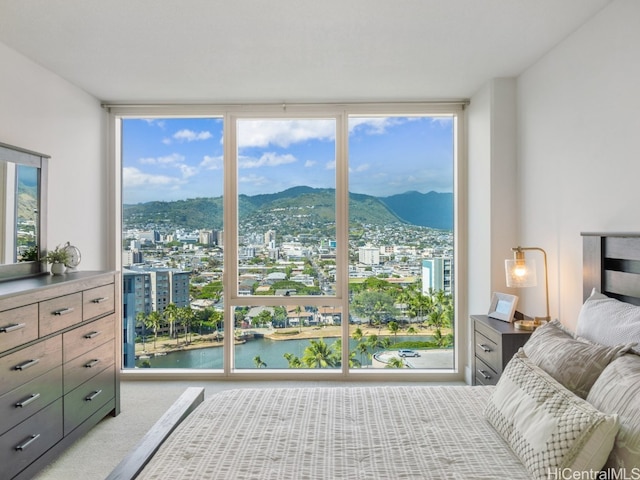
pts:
[408, 353]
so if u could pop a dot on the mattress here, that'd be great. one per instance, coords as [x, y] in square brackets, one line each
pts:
[382, 432]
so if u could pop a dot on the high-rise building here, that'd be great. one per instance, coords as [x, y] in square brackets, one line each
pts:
[437, 275]
[369, 255]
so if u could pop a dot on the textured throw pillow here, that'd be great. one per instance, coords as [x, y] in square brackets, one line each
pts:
[549, 428]
[609, 321]
[573, 362]
[617, 390]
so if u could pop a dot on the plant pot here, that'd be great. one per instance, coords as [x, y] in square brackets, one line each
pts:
[57, 268]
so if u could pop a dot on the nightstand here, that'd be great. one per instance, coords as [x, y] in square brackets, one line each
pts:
[495, 343]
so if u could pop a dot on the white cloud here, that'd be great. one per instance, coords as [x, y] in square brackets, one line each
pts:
[268, 159]
[174, 158]
[330, 165]
[254, 179]
[133, 177]
[373, 125]
[360, 168]
[211, 163]
[310, 163]
[187, 135]
[283, 133]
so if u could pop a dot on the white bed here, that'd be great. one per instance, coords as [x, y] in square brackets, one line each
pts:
[563, 406]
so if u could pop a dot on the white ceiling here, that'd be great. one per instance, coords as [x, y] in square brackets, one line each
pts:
[237, 51]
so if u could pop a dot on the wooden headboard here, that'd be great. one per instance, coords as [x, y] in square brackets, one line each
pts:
[611, 263]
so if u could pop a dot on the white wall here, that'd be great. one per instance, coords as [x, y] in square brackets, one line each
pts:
[579, 146]
[44, 113]
[492, 197]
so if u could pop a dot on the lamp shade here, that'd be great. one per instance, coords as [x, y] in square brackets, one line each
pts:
[520, 272]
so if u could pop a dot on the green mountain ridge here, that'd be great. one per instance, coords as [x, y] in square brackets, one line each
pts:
[304, 205]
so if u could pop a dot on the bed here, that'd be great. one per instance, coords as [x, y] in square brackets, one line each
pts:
[568, 403]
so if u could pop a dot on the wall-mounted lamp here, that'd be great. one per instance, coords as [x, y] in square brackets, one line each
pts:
[522, 273]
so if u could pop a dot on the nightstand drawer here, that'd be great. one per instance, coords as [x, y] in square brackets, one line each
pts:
[495, 342]
[485, 375]
[488, 351]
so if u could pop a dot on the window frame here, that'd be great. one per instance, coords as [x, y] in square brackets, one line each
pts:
[230, 114]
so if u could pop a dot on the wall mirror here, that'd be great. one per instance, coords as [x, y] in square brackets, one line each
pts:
[23, 190]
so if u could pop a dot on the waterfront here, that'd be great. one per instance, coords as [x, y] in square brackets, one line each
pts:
[270, 351]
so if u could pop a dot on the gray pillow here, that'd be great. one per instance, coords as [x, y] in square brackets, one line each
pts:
[617, 390]
[609, 321]
[549, 428]
[573, 362]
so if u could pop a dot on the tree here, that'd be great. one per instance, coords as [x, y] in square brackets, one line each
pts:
[394, 362]
[393, 328]
[171, 315]
[140, 318]
[258, 362]
[153, 321]
[320, 355]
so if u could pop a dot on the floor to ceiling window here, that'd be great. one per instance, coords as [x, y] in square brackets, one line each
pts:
[295, 239]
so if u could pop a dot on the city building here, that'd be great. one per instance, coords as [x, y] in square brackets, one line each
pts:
[437, 275]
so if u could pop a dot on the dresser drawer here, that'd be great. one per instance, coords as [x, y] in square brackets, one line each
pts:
[88, 398]
[87, 337]
[27, 441]
[24, 401]
[98, 301]
[87, 365]
[30, 362]
[60, 312]
[485, 375]
[488, 351]
[18, 326]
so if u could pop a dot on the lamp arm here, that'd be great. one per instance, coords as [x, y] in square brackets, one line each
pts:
[546, 275]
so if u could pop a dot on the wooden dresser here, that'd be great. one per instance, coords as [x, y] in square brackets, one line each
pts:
[58, 369]
[495, 343]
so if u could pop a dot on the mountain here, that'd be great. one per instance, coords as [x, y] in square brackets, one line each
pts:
[298, 205]
[431, 209]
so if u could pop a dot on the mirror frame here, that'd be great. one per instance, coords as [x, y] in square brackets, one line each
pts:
[9, 153]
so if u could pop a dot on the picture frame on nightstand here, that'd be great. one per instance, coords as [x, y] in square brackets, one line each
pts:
[503, 306]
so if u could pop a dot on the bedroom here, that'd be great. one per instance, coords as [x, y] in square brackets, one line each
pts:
[547, 142]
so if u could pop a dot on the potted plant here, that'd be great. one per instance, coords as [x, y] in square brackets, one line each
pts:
[57, 258]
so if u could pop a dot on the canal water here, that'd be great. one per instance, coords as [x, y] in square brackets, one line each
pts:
[270, 351]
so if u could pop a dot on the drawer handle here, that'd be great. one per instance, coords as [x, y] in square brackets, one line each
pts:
[92, 335]
[24, 445]
[92, 363]
[63, 311]
[93, 395]
[484, 374]
[27, 364]
[24, 403]
[12, 327]
[99, 299]
[484, 348]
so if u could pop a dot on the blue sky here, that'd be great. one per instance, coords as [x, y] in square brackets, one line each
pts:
[179, 158]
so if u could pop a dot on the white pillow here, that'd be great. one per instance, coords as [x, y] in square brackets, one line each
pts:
[549, 428]
[609, 321]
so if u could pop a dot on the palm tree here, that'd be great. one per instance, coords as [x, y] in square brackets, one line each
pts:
[187, 317]
[258, 362]
[171, 314]
[154, 320]
[393, 328]
[294, 362]
[394, 362]
[141, 318]
[320, 355]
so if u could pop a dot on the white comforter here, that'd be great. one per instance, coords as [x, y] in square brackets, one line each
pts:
[395, 432]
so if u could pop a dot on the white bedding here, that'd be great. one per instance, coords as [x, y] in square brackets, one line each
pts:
[399, 432]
